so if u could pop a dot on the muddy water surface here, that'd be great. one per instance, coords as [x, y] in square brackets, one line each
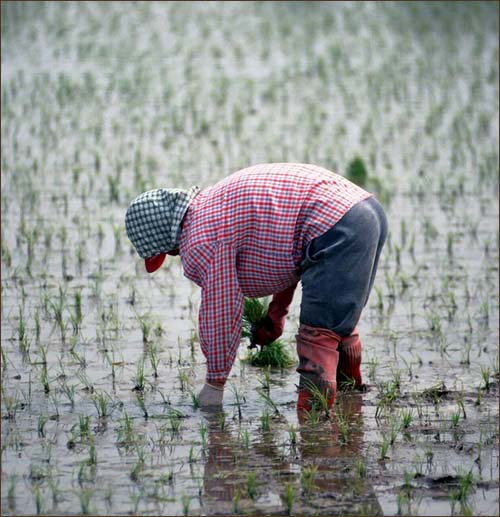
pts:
[100, 360]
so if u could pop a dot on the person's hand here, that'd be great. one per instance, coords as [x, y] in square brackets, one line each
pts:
[271, 326]
[211, 395]
[267, 330]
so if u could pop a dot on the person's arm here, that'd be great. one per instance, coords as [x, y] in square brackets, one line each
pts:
[220, 316]
[271, 326]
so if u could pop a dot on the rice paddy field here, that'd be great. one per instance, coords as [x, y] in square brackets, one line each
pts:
[100, 362]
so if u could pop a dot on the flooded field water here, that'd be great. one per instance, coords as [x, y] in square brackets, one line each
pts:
[101, 101]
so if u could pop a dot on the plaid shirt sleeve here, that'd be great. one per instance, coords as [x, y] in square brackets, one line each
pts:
[221, 309]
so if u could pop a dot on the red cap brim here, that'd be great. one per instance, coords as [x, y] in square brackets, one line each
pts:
[153, 263]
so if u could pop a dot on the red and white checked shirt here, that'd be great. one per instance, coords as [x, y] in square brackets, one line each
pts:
[245, 237]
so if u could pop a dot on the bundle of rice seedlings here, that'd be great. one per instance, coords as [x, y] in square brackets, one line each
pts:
[254, 310]
[274, 354]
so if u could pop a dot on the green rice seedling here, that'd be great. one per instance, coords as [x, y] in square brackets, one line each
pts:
[114, 187]
[384, 447]
[221, 418]
[455, 418]
[460, 403]
[154, 359]
[145, 327]
[251, 485]
[21, 333]
[394, 429]
[117, 233]
[4, 361]
[406, 418]
[165, 398]
[6, 255]
[184, 379]
[126, 434]
[467, 347]
[174, 421]
[403, 232]
[265, 380]
[269, 402]
[69, 392]
[288, 498]
[85, 496]
[265, 422]
[313, 416]
[100, 234]
[79, 359]
[103, 403]
[92, 460]
[372, 365]
[39, 502]
[236, 501]
[465, 483]
[191, 455]
[158, 330]
[139, 379]
[142, 404]
[108, 499]
[245, 439]
[186, 501]
[57, 309]
[433, 321]
[85, 381]
[380, 299]
[356, 171]
[292, 435]
[38, 329]
[42, 420]
[486, 377]
[274, 355]
[11, 493]
[307, 479]
[78, 316]
[11, 404]
[388, 392]
[132, 295]
[84, 426]
[195, 400]
[360, 468]
[44, 377]
[320, 399]
[97, 163]
[138, 466]
[479, 397]
[238, 398]
[484, 311]
[135, 499]
[343, 425]
[391, 288]
[80, 256]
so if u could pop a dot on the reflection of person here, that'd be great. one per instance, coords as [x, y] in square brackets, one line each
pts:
[220, 476]
[326, 449]
[257, 233]
[335, 483]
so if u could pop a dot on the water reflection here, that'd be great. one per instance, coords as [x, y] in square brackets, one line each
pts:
[332, 450]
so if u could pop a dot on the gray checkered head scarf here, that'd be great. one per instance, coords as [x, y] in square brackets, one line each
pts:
[153, 219]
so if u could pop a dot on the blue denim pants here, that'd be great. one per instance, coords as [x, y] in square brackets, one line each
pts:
[338, 268]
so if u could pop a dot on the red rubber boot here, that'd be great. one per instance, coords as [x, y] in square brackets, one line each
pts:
[317, 350]
[349, 367]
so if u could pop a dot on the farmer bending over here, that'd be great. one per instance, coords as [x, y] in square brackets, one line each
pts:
[257, 233]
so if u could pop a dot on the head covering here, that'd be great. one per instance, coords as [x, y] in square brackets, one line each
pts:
[153, 219]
